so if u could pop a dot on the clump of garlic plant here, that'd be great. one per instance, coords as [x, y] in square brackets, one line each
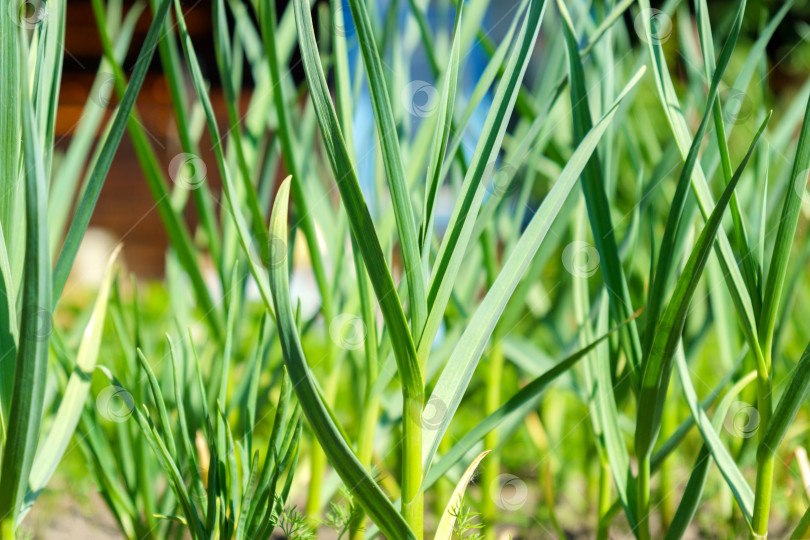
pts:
[233, 493]
[186, 433]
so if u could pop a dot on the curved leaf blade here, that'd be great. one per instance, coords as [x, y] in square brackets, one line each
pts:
[78, 386]
[351, 471]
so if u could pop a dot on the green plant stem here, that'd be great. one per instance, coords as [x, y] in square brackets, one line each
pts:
[492, 466]
[371, 407]
[762, 502]
[368, 421]
[643, 495]
[317, 463]
[365, 447]
[412, 496]
[667, 473]
[765, 456]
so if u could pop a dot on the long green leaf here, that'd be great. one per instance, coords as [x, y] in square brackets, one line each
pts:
[10, 136]
[28, 393]
[8, 333]
[788, 220]
[596, 199]
[351, 471]
[441, 136]
[802, 529]
[78, 386]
